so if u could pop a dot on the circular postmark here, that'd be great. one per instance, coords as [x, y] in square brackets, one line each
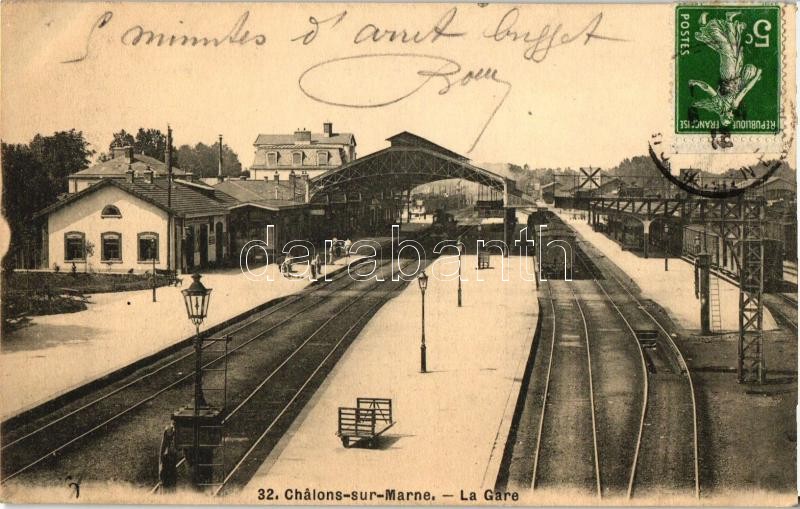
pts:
[752, 176]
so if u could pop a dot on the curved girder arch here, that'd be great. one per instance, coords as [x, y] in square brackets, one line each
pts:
[400, 168]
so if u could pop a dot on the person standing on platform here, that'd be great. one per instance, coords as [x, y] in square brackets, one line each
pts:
[168, 459]
[315, 266]
[334, 244]
[346, 246]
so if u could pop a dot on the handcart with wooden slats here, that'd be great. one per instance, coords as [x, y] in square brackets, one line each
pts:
[368, 420]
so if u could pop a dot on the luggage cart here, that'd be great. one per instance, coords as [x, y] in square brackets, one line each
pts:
[368, 420]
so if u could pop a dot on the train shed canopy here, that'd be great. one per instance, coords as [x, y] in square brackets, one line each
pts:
[408, 162]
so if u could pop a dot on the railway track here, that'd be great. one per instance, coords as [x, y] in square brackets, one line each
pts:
[632, 402]
[786, 308]
[34, 443]
[662, 461]
[574, 405]
[258, 402]
[71, 437]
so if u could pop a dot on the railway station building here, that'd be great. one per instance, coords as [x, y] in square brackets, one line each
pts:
[260, 203]
[125, 225]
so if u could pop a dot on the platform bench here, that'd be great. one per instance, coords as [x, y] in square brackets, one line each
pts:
[75, 294]
[171, 275]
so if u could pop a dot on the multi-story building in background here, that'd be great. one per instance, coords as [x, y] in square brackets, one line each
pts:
[301, 153]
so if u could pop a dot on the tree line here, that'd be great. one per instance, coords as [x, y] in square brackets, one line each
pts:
[202, 160]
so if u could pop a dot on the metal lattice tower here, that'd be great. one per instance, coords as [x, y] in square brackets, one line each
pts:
[739, 221]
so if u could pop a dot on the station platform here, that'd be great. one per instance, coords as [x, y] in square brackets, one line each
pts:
[672, 289]
[58, 353]
[451, 423]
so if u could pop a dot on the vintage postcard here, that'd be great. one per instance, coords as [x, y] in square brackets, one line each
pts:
[399, 254]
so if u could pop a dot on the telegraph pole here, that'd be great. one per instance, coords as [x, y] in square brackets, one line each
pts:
[169, 197]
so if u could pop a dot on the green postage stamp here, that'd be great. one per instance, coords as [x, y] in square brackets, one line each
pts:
[728, 69]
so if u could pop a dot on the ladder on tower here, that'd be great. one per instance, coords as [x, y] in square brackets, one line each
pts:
[714, 304]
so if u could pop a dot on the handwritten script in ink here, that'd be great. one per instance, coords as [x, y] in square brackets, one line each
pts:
[393, 44]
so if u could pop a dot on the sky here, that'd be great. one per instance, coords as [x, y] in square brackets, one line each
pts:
[480, 94]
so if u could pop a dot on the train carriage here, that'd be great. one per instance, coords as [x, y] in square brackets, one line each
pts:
[698, 237]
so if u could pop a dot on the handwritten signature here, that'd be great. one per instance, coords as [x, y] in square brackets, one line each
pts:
[436, 70]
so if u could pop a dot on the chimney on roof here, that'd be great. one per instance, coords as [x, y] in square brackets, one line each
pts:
[148, 175]
[129, 174]
[327, 129]
[276, 176]
[302, 137]
[293, 181]
[125, 152]
[220, 177]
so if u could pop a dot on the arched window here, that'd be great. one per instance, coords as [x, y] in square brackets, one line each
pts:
[297, 158]
[322, 158]
[74, 247]
[111, 247]
[148, 246]
[111, 211]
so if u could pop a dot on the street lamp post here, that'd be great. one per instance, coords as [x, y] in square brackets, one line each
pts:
[196, 298]
[460, 246]
[666, 247]
[423, 285]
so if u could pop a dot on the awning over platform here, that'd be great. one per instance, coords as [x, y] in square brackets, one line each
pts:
[408, 162]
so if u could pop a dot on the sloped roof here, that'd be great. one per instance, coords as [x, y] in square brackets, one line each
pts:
[273, 205]
[185, 200]
[407, 139]
[245, 191]
[119, 165]
[316, 138]
[772, 181]
[520, 200]
[313, 146]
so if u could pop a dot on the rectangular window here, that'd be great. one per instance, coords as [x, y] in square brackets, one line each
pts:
[111, 247]
[297, 159]
[322, 158]
[148, 247]
[74, 247]
[272, 159]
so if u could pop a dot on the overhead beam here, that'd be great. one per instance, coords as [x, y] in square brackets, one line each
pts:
[739, 222]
